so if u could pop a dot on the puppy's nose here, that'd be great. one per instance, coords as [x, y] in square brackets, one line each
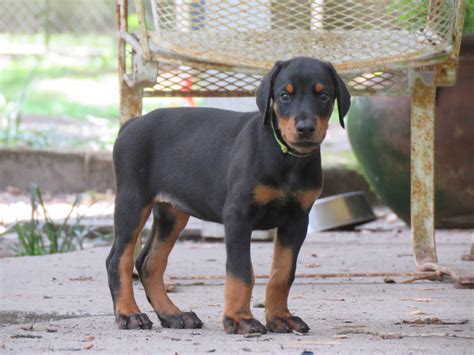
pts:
[305, 127]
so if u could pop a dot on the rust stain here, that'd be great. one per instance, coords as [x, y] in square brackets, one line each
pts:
[422, 173]
[130, 101]
[130, 98]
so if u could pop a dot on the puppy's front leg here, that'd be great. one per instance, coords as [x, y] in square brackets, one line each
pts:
[289, 239]
[238, 318]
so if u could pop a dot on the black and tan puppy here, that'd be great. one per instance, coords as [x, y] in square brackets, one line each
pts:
[256, 170]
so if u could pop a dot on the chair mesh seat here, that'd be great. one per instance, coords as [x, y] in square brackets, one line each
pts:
[350, 34]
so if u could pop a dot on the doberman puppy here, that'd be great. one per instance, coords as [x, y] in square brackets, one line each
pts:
[249, 171]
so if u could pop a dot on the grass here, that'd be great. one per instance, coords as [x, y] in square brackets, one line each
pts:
[31, 70]
[72, 81]
[44, 236]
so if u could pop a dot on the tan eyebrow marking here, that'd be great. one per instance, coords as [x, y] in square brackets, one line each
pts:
[290, 88]
[319, 87]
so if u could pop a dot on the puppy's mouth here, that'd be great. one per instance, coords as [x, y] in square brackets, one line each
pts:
[306, 144]
[304, 147]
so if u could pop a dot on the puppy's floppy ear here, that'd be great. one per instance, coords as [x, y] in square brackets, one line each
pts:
[265, 91]
[342, 94]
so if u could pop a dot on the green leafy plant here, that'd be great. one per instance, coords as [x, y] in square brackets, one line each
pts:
[42, 236]
[469, 17]
[410, 15]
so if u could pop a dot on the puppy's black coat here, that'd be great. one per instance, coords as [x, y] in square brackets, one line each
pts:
[256, 170]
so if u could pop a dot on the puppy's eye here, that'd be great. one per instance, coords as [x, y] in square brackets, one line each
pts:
[324, 97]
[285, 97]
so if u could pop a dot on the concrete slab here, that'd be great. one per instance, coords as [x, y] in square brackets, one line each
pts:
[61, 302]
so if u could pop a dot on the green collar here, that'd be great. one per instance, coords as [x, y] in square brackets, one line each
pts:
[283, 147]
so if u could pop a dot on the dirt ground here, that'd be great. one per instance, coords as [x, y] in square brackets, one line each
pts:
[61, 303]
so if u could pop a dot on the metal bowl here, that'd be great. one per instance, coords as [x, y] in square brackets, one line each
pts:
[344, 211]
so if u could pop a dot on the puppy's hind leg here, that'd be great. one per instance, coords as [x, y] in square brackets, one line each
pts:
[168, 222]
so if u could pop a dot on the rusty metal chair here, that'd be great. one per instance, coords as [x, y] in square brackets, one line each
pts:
[381, 47]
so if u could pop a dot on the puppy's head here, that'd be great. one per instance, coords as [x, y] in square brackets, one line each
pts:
[299, 95]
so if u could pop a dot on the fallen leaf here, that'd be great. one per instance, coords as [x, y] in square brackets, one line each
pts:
[334, 299]
[81, 278]
[298, 333]
[88, 346]
[170, 288]
[391, 336]
[313, 265]
[417, 312]
[320, 342]
[89, 338]
[13, 190]
[253, 335]
[29, 336]
[434, 320]
[427, 300]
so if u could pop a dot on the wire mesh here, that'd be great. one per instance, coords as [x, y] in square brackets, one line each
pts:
[181, 80]
[256, 33]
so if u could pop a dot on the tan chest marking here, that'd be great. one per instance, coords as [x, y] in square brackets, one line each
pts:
[264, 194]
[306, 198]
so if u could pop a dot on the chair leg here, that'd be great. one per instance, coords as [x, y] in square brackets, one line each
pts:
[130, 101]
[422, 175]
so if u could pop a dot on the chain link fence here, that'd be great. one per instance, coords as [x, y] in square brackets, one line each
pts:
[57, 16]
[27, 24]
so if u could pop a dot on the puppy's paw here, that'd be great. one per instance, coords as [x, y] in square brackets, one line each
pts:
[133, 321]
[245, 326]
[287, 325]
[184, 320]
